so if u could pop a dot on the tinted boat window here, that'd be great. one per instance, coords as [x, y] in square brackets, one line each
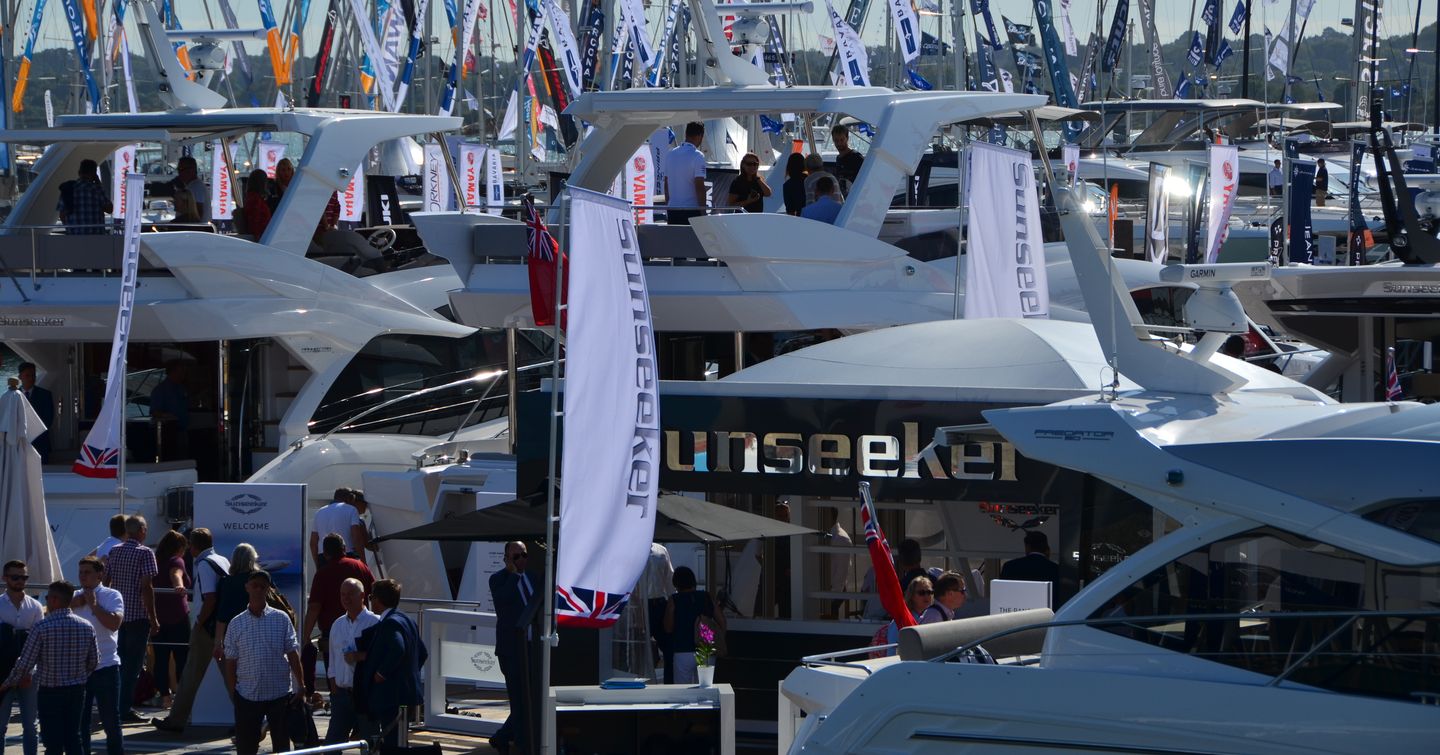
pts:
[1391, 650]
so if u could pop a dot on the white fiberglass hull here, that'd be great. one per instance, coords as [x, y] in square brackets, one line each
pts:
[955, 707]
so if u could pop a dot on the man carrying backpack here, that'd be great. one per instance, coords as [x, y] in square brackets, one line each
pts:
[210, 569]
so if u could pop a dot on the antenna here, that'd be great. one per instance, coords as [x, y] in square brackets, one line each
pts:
[725, 68]
[176, 88]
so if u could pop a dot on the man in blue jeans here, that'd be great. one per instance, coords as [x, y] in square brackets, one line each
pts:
[19, 613]
[59, 656]
[104, 609]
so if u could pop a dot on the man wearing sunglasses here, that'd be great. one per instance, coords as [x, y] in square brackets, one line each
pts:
[18, 615]
[512, 591]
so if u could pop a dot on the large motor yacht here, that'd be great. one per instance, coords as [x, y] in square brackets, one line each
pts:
[1281, 606]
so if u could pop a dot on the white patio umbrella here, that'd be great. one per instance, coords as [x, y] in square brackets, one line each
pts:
[24, 529]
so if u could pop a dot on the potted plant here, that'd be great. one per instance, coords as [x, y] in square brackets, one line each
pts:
[705, 652]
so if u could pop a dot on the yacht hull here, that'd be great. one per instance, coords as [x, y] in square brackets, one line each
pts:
[989, 708]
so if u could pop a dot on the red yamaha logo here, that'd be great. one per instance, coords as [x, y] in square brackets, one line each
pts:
[1229, 171]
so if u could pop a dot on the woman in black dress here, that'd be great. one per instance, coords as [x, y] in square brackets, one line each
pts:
[748, 190]
[794, 188]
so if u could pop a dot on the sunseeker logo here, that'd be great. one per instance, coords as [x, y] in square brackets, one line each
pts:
[1074, 435]
[245, 503]
[29, 321]
[644, 448]
[1392, 287]
[1025, 279]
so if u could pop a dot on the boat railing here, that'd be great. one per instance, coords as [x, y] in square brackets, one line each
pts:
[1313, 636]
[53, 250]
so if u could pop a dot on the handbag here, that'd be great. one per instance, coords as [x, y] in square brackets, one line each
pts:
[300, 721]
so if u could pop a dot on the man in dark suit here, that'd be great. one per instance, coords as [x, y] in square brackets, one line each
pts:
[44, 403]
[392, 662]
[512, 592]
[1036, 565]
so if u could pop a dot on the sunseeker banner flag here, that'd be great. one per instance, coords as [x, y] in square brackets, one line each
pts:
[1005, 265]
[610, 461]
[100, 453]
[1157, 215]
[1224, 185]
[1159, 78]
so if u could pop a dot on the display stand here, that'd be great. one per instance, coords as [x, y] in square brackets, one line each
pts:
[672, 717]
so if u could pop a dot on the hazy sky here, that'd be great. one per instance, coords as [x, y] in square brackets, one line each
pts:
[1173, 17]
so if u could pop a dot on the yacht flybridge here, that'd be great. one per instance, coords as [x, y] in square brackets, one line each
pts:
[1286, 602]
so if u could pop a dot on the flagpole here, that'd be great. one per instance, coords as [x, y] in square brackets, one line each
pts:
[549, 639]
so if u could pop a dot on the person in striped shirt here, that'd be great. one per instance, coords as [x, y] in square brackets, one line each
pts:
[59, 656]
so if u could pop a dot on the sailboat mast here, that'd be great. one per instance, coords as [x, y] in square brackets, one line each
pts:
[1245, 62]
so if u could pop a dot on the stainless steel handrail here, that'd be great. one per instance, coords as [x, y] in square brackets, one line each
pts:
[362, 747]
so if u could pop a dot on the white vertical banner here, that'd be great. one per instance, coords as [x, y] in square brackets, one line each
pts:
[566, 48]
[100, 453]
[271, 153]
[660, 143]
[221, 192]
[122, 163]
[854, 61]
[611, 455]
[270, 517]
[640, 183]
[1005, 262]
[1071, 46]
[1070, 153]
[907, 28]
[1157, 215]
[632, 14]
[1224, 185]
[473, 175]
[437, 180]
[494, 181]
[49, 110]
[352, 198]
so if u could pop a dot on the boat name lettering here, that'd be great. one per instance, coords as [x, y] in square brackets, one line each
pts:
[644, 454]
[32, 321]
[839, 455]
[1396, 287]
[1104, 435]
[1030, 301]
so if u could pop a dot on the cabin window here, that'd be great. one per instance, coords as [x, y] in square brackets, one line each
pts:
[1390, 648]
[396, 365]
[1419, 517]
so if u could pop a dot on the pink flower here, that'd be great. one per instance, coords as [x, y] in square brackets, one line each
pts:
[706, 633]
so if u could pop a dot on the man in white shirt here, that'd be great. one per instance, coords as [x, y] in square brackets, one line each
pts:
[20, 613]
[685, 178]
[210, 567]
[340, 665]
[117, 536]
[341, 518]
[104, 609]
[1276, 180]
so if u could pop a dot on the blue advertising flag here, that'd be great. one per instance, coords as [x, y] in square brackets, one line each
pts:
[1302, 191]
[1197, 49]
[1056, 64]
[982, 8]
[1117, 36]
[770, 125]
[1237, 19]
[918, 81]
[1221, 54]
[1182, 87]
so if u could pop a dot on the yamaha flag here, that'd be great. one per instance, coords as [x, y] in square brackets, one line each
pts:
[1005, 266]
[611, 456]
[1224, 185]
[100, 453]
[1302, 191]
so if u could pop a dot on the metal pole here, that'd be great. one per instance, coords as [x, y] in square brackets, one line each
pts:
[549, 639]
[1245, 62]
[512, 383]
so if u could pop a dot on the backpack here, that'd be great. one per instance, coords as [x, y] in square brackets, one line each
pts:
[277, 600]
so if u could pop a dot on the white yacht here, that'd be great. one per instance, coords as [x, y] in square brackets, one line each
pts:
[1286, 601]
[272, 344]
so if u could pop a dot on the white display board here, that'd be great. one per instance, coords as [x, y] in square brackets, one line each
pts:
[1011, 595]
[270, 517]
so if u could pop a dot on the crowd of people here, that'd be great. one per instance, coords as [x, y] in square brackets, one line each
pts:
[809, 189]
[123, 637]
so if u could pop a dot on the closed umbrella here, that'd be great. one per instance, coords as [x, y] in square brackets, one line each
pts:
[24, 529]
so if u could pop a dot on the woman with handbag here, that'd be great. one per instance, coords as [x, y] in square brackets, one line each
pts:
[682, 611]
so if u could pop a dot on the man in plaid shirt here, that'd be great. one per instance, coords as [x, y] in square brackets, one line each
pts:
[61, 652]
[84, 204]
[129, 569]
[262, 656]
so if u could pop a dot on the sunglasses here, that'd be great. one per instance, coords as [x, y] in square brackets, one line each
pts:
[924, 592]
[519, 556]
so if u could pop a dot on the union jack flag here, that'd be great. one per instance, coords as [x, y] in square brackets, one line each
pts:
[97, 462]
[582, 607]
[1392, 377]
[542, 245]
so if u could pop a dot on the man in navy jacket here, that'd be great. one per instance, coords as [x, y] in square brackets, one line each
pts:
[392, 661]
